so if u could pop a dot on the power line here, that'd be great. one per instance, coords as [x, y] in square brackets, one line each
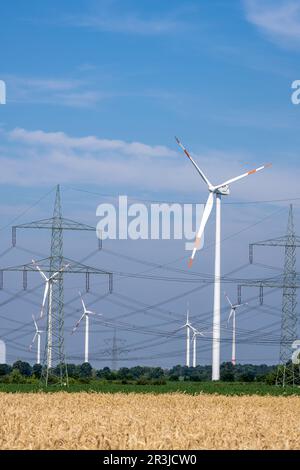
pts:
[165, 201]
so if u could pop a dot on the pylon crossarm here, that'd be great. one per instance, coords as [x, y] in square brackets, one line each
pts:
[279, 241]
[65, 224]
[280, 281]
[45, 264]
[54, 223]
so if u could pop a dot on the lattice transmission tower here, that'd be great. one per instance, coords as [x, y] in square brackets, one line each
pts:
[117, 348]
[54, 362]
[289, 282]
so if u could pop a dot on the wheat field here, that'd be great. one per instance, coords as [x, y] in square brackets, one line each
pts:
[146, 421]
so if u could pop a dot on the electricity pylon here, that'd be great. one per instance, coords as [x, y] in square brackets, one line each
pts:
[57, 224]
[287, 373]
[117, 348]
[114, 362]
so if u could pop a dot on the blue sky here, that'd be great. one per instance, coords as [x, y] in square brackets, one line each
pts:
[212, 72]
[85, 80]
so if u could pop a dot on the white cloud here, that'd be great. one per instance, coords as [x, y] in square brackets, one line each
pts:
[37, 158]
[48, 84]
[89, 144]
[54, 91]
[278, 19]
[73, 93]
[128, 24]
[115, 17]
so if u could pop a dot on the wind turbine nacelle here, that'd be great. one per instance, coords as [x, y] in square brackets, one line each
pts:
[224, 190]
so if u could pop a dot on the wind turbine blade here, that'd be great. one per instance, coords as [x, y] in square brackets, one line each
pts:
[32, 342]
[178, 329]
[35, 323]
[63, 268]
[251, 172]
[228, 299]
[83, 304]
[196, 332]
[205, 217]
[44, 298]
[230, 315]
[40, 271]
[205, 179]
[241, 305]
[192, 328]
[78, 323]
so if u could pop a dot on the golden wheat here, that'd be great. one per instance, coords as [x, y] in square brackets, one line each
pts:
[138, 421]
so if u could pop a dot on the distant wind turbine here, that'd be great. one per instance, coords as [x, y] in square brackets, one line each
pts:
[37, 336]
[233, 309]
[188, 328]
[86, 314]
[194, 342]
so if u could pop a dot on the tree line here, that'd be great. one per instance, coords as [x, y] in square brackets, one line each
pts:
[23, 372]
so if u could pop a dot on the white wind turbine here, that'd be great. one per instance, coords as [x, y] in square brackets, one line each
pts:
[233, 309]
[194, 342]
[37, 335]
[48, 292]
[218, 190]
[188, 327]
[86, 314]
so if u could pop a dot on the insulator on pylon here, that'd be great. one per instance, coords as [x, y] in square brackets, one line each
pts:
[239, 294]
[24, 278]
[110, 278]
[261, 295]
[87, 281]
[250, 253]
[100, 241]
[14, 236]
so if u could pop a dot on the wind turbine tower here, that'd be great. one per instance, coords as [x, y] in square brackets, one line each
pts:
[215, 192]
[188, 328]
[37, 337]
[194, 341]
[233, 309]
[86, 314]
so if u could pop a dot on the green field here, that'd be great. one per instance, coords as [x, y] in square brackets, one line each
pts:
[222, 388]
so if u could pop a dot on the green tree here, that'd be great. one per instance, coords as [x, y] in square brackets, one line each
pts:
[247, 376]
[85, 370]
[156, 373]
[73, 371]
[124, 373]
[15, 377]
[23, 367]
[37, 370]
[5, 369]
[227, 372]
